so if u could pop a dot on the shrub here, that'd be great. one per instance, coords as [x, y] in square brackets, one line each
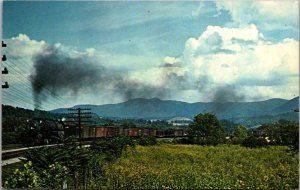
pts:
[9, 138]
[112, 147]
[147, 141]
[24, 178]
[28, 177]
[253, 141]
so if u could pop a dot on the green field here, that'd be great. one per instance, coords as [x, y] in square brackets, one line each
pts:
[192, 166]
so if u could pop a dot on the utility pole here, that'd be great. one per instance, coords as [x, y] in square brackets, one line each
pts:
[79, 115]
[5, 71]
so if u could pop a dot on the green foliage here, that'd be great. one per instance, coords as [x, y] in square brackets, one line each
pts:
[240, 134]
[54, 176]
[128, 124]
[112, 147]
[204, 167]
[228, 126]
[13, 129]
[28, 177]
[253, 142]
[96, 176]
[18, 121]
[146, 141]
[9, 138]
[17, 112]
[281, 133]
[24, 178]
[69, 155]
[206, 129]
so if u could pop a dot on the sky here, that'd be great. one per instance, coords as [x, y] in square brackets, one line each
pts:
[65, 53]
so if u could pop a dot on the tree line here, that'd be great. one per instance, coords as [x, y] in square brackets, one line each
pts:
[206, 129]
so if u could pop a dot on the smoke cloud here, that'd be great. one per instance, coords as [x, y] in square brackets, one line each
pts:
[56, 73]
[220, 94]
[227, 93]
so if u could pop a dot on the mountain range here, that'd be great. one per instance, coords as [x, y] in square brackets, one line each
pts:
[141, 108]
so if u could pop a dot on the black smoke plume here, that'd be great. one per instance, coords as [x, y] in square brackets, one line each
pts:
[220, 94]
[227, 93]
[55, 73]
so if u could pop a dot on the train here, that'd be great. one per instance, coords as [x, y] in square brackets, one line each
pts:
[88, 132]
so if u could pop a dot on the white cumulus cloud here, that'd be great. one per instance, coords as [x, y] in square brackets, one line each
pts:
[267, 14]
[243, 59]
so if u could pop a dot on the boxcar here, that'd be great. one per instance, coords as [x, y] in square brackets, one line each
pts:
[152, 132]
[133, 132]
[101, 132]
[124, 131]
[112, 131]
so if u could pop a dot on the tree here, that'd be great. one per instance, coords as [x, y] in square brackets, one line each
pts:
[228, 126]
[282, 133]
[206, 129]
[240, 134]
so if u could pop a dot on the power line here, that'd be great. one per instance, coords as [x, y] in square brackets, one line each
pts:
[20, 95]
[28, 91]
[20, 90]
[28, 67]
[27, 79]
[53, 95]
[11, 97]
[16, 63]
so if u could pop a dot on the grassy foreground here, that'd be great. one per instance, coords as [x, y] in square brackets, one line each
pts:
[192, 166]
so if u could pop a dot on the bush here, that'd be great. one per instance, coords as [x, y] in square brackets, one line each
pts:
[183, 141]
[23, 178]
[147, 141]
[54, 176]
[68, 155]
[9, 138]
[29, 177]
[96, 170]
[112, 147]
[253, 141]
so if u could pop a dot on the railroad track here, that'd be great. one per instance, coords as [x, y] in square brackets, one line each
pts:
[19, 152]
[14, 154]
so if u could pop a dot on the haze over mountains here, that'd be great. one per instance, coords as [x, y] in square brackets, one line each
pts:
[155, 108]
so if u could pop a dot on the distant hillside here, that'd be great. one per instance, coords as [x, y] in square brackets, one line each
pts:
[165, 109]
[289, 105]
[10, 111]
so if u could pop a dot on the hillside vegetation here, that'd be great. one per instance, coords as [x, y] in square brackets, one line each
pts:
[250, 113]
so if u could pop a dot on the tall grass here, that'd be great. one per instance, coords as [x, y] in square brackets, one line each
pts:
[202, 167]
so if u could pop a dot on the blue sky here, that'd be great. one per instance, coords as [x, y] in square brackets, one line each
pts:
[103, 24]
[188, 49]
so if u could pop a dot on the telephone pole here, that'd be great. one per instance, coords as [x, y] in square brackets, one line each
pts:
[5, 71]
[79, 116]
